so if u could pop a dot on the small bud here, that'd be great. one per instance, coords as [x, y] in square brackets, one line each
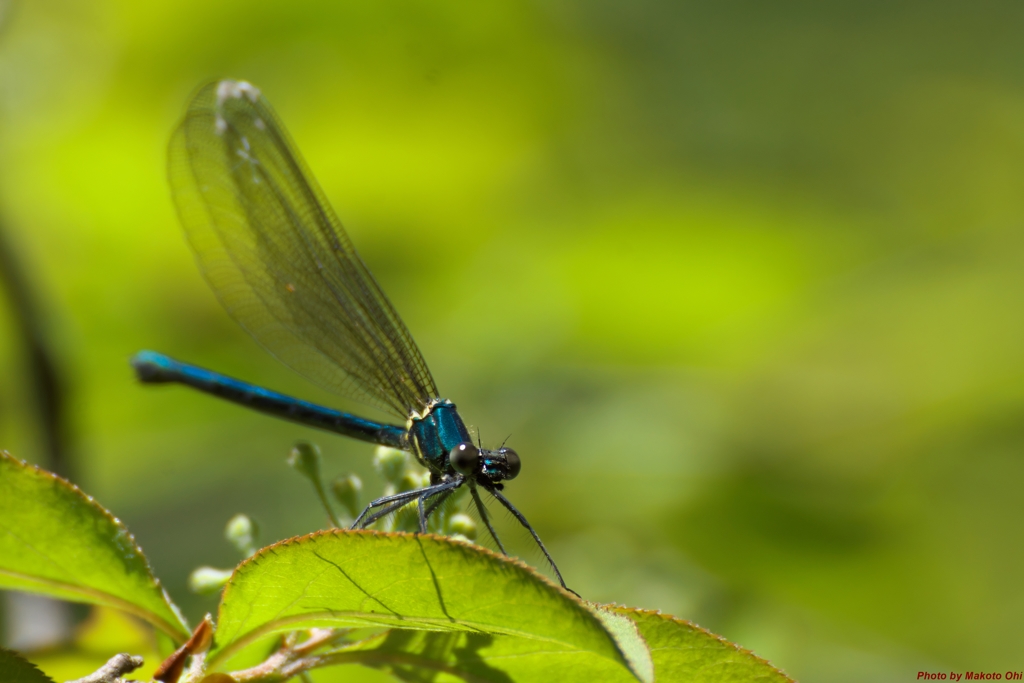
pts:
[346, 490]
[410, 481]
[243, 533]
[407, 519]
[391, 463]
[305, 458]
[208, 580]
[202, 636]
[462, 525]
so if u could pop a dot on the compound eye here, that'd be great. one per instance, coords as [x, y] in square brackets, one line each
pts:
[512, 463]
[465, 459]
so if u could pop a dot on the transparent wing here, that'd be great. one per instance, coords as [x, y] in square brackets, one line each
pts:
[278, 258]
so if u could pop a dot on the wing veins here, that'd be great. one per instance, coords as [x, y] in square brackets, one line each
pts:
[261, 227]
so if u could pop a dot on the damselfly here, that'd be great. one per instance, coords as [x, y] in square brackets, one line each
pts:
[278, 259]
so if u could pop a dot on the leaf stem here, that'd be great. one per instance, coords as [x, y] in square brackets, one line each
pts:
[322, 495]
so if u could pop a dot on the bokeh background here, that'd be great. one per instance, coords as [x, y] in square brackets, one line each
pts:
[744, 282]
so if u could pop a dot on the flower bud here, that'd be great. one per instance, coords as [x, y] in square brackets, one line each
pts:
[305, 458]
[346, 490]
[462, 525]
[208, 580]
[390, 463]
[410, 481]
[243, 533]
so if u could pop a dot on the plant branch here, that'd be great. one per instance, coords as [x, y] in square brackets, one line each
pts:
[365, 657]
[111, 672]
[291, 660]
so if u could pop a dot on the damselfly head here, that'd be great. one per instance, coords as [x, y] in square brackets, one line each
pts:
[485, 465]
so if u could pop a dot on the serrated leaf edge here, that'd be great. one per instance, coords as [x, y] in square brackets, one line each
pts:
[696, 627]
[221, 653]
[642, 666]
[14, 654]
[177, 632]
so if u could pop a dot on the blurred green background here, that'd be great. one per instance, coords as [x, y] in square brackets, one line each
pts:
[743, 281]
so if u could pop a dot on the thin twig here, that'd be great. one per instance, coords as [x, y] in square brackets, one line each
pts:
[111, 672]
[291, 660]
[322, 495]
[318, 637]
[270, 667]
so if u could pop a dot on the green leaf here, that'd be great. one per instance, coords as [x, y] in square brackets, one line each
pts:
[634, 648]
[681, 652]
[686, 652]
[57, 541]
[417, 656]
[15, 669]
[404, 581]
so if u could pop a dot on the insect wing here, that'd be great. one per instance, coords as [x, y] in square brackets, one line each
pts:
[278, 258]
